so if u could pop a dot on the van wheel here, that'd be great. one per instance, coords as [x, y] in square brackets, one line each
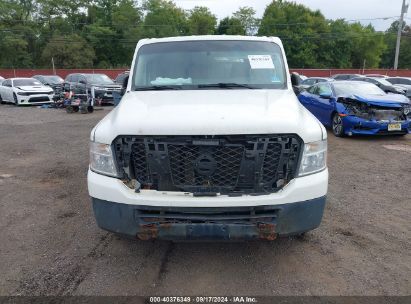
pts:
[16, 102]
[337, 125]
[1, 100]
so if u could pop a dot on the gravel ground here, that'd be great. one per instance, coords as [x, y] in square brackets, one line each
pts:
[50, 244]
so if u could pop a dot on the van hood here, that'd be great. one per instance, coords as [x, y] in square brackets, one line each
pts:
[209, 112]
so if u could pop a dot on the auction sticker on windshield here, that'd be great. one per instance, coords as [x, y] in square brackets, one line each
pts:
[261, 62]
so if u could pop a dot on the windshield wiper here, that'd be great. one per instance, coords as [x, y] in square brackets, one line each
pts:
[157, 88]
[226, 85]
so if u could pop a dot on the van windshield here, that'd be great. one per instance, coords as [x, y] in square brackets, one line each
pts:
[209, 64]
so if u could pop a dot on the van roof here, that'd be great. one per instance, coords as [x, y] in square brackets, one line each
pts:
[210, 37]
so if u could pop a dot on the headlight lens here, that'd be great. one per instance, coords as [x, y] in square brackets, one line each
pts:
[314, 157]
[101, 159]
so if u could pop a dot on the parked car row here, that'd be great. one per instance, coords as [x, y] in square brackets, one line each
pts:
[395, 85]
[357, 107]
[41, 89]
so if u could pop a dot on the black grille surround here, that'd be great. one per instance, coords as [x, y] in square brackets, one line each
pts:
[209, 165]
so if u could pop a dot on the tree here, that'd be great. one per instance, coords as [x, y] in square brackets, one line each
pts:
[390, 39]
[369, 46]
[201, 21]
[104, 42]
[14, 50]
[127, 21]
[311, 41]
[339, 47]
[230, 26]
[246, 16]
[299, 28]
[163, 19]
[70, 51]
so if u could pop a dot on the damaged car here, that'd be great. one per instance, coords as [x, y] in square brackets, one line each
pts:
[358, 108]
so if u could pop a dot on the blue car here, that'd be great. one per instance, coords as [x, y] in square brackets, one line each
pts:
[354, 107]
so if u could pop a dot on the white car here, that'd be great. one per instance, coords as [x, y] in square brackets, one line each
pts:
[208, 142]
[25, 91]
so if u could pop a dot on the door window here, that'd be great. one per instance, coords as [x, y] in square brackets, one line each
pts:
[75, 78]
[324, 89]
[312, 90]
[82, 79]
[404, 81]
[309, 82]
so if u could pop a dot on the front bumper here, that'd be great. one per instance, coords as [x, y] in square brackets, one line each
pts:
[34, 99]
[354, 125]
[233, 223]
[105, 95]
[297, 208]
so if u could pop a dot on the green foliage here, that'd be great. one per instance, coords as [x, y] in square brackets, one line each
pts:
[246, 16]
[163, 19]
[311, 41]
[299, 27]
[14, 51]
[71, 51]
[201, 21]
[390, 39]
[230, 26]
[104, 33]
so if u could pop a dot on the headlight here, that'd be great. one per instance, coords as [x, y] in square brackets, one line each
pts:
[314, 157]
[23, 93]
[101, 159]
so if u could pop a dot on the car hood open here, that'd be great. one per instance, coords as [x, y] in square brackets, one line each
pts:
[209, 112]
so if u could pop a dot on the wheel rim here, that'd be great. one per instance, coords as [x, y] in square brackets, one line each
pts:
[337, 124]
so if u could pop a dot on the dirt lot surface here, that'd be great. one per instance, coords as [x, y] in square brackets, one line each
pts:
[51, 245]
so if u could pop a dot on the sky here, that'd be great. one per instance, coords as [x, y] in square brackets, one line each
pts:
[331, 9]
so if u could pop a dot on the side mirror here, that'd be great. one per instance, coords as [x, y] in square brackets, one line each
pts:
[82, 81]
[124, 86]
[325, 95]
[294, 79]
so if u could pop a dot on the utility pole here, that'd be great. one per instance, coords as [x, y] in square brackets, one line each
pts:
[404, 9]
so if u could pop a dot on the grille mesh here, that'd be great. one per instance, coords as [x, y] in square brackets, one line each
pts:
[183, 166]
[255, 164]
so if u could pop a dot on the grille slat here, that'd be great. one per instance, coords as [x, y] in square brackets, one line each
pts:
[254, 164]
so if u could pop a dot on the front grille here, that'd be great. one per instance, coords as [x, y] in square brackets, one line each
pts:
[220, 167]
[39, 99]
[207, 165]
[25, 93]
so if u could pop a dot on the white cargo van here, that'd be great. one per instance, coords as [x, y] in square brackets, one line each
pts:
[208, 142]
